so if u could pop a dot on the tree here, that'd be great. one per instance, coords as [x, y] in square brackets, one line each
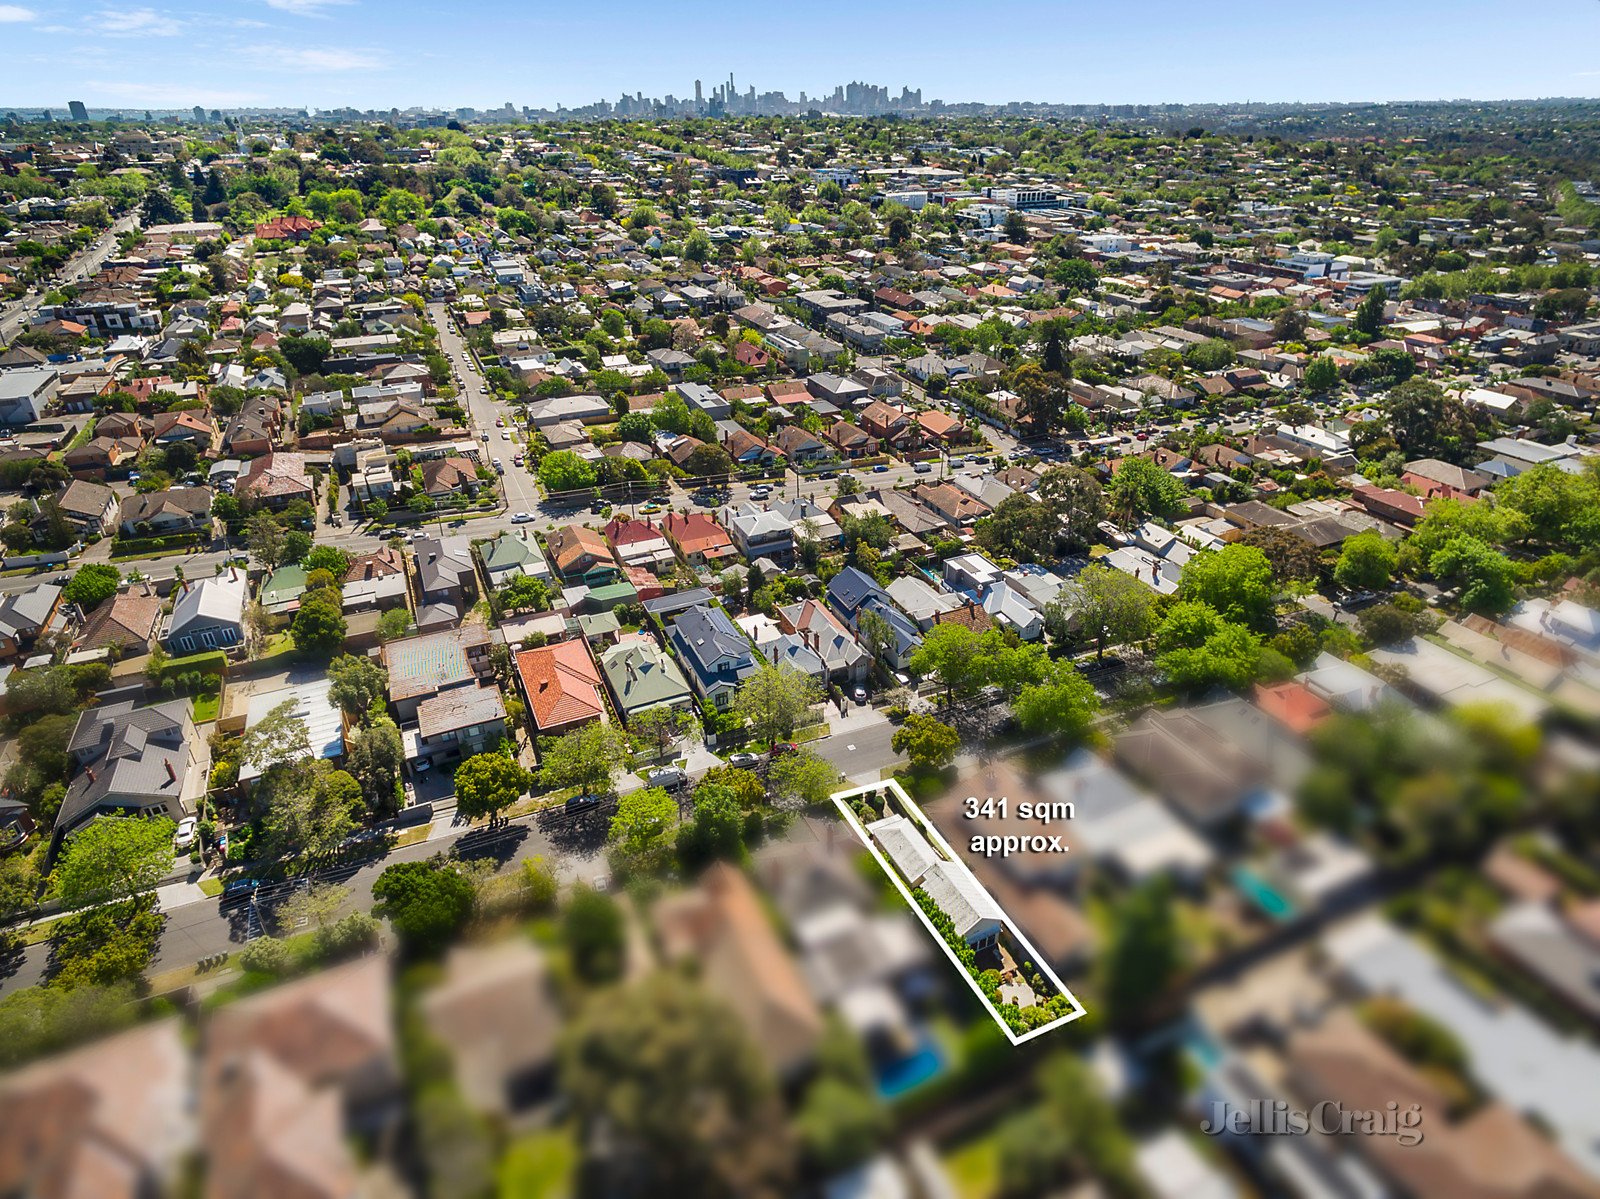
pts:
[1229, 657]
[774, 700]
[839, 1124]
[426, 902]
[104, 945]
[1428, 423]
[1015, 228]
[265, 537]
[584, 759]
[709, 461]
[1213, 354]
[1321, 375]
[563, 470]
[929, 744]
[1487, 578]
[1042, 398]
[1366, 562]
[1370, 313]
[1020, 527]
[1077, 499]
[953, 654]
[715, 831]
[310, 809]
[1140, 488]
[394, 624]
[660, 728]
[641, 831]
[1235, 580]
[329, 558]
[113, 857]
[313, 907]
[1293, 559]
[1109, 606]
[669, 1073]
[1063, 706]
[356, 684]
[375, 756]
[319, 626]
[595, 935]
[488, 783]
[876, 635]
[91, 584]
[801, 779]
[1145, 953]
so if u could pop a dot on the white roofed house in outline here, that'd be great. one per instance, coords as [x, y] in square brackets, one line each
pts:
[912, 852]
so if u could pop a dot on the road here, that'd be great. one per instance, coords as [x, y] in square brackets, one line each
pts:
[14, 317]
[203, 928]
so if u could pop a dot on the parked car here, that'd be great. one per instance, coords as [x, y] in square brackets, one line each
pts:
[582, 803]
[184, 837]
[922, 468]
[669, 778]
[779, 748]
[760, 492]
[239, 890]
[744, 761]
[499, 467]
[521, 518]
[881, 468]
[859, 695]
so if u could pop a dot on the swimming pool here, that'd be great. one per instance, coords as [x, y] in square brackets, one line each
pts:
[923, 1064]
[1263, 894]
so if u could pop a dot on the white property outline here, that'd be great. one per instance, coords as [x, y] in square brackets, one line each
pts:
[840, 798]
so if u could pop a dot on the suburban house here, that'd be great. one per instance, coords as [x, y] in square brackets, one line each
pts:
[800, 446]
[715, 653]
[852, 593]
[446, 575]
[276, 480]
[208, 614]
[701, 540]
[851, 440]
[433, 663]
[26, 615]
[973, 912]
[642, 677]
[759, 532]
[128, 760]
[841, 654]
[581, 555]
[640, 543]
[25, 393]
[510, 556]
[166, 513]
[90, 508]
[127, 620]
[891, 426]
[561, 686]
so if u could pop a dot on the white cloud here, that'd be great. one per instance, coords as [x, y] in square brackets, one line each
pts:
[316, 59]
[306, 8]
[134, 22]
[12, 14]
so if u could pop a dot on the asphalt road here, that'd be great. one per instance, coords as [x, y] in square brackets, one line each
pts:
[13, 319]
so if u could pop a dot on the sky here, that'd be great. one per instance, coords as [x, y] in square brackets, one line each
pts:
[482, 53]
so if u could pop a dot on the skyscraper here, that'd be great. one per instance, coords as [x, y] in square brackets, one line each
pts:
[78, 111]
[199, 115]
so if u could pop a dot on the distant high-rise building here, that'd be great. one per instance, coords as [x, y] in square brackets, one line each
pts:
[699, 94]
[78, 111]
[199, 115]
[216, 116]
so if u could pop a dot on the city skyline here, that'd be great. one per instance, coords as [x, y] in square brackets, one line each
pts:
[347, 53]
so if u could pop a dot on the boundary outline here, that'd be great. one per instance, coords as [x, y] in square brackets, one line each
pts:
[839, 801]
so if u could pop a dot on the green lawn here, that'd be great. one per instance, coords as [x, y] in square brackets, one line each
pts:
[974, 1166]
[539, 1165]
[211, 887]
[206, 707]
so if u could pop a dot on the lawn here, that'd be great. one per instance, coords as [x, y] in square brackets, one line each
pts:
[974, 1166]
[211, 887]
[206, 707]
[539, 1165]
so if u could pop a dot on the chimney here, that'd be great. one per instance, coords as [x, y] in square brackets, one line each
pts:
[172, 775]
[90, 773]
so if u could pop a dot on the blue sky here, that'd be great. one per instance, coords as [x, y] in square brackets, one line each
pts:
[377, 53]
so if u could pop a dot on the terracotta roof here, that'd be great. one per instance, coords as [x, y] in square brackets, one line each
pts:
[561, 683]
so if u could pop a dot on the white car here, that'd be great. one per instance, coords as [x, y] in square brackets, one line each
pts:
[505, 434]
[185, 835]
[521, 518]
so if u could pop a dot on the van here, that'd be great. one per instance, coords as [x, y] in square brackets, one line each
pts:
[669, 778]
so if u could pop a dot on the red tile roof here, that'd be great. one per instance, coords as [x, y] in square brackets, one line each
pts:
[562, 685]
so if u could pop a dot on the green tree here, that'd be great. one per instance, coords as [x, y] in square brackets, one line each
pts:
[670, 1074]
[356, 683]
[1145, 953]
[1235, 580]
[1366, 562]
[1140, 488]
[1428, 423]
[585, 759]
[801, 779]
[113, 857]
[375, 756]
[90, 584]
[1062, 706]
[329, 558]
[642, 830]
[488, 783]
[658, 729]
[1321, 375]
[105, 945]
[1077, 499]
[1107, 606]
[930, 744]
[1293, 559]
[715, 831]
[595, 935]
[265, 537]
[428, 903]
[319, 626]
[563, 470]
[1370, 317]
[774, 700]
[394, 624]
[1020, 527]
[1487, 578]
[952, 654]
